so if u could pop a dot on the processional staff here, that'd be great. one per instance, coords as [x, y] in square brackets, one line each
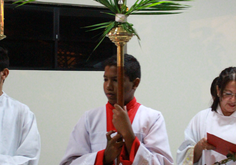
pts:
[120, 37]
[2, 36]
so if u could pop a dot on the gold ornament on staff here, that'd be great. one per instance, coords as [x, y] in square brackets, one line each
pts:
[2, 36]
[119, 36]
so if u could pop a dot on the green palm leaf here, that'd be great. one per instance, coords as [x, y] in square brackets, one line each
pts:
[154, 5]
[140, 7]
[22, 2]
[107, 28]
[110, 5]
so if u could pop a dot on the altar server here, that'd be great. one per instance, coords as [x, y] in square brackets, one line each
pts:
[19, 136]
[219, 120]
[110, 134]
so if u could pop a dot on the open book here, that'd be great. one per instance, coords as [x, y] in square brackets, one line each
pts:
[222, 146]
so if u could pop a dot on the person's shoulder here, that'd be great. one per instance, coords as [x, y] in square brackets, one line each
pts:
[148, 116]
[92, 117]
[16, 105]
[95, 111]
[201, 116]
[204, 112]
[148, 111]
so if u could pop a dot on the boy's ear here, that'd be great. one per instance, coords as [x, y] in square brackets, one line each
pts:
[4, 73]
[136, 83]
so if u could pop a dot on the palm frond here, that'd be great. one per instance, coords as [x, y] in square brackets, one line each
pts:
[155, 5]
[113, 7]
[140, 7]
[22, 2]
[112, 14]
[155, 13]
[98, 25]
[108, 28]
[181, 0]
[165, 7]
[129, 28]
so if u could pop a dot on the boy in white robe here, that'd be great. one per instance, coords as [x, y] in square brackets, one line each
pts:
[111, 135]
[19, 136]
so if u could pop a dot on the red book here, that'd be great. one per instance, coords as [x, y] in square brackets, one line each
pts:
[222, 146]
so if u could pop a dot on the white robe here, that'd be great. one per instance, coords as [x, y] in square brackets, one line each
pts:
[19, 136]
[212, 122]
[89, 137]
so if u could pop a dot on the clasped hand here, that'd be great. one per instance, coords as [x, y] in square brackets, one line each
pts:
[124, 131]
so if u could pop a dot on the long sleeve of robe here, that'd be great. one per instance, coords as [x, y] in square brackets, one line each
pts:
[89, 137]
[19, 136]
[214, 123]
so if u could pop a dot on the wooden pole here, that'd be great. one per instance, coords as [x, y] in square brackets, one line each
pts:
[120, 37]
[120, 74]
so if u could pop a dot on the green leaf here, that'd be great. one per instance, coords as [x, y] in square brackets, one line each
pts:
[129, 28]
[108, 28]
[108, 3]
[140, 7]
[156, 5]
[22, 2]
[99, 24]
[155, 13]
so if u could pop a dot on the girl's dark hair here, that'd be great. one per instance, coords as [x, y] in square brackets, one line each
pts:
[227, 75]
[131, 66]
[213, 88]
[4, 59]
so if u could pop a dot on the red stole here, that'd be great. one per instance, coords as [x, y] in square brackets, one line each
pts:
[132, 108]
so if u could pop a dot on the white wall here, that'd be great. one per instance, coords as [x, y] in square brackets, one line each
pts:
[180, 55]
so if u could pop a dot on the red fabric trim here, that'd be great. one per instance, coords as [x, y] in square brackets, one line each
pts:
[134, 149]
[132, 108]
[99, 158]
[124, 155]
[109, 113]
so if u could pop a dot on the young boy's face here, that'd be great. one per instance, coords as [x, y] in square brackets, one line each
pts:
[110, 86]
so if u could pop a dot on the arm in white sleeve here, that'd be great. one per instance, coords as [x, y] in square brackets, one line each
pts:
[28, 151]
[194, 132]
[155, 147]
[79, 147]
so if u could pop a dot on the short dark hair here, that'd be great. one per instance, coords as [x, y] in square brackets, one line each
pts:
[4, 59]
[132, 67]
[227, 75]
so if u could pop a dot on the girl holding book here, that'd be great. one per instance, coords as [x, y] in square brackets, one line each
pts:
[219, 120]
